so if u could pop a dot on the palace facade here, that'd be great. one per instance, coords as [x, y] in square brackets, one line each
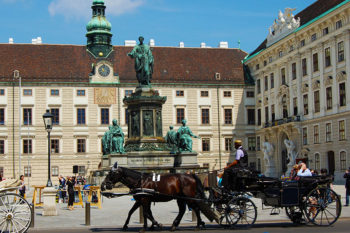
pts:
[84, 86]
[302, 87]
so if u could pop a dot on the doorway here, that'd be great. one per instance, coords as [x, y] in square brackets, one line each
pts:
[331, 162]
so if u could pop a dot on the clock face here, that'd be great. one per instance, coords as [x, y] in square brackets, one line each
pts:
[103, 70]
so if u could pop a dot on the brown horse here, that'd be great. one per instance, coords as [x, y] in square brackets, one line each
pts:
[185, 188]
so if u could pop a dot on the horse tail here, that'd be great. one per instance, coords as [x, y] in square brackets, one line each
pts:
[199, 187]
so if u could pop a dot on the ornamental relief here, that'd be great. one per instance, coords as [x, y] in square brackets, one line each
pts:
[266, 101]
[316, 85]
[328, 81]
[284, 90]
[305, 88]
[341, 76]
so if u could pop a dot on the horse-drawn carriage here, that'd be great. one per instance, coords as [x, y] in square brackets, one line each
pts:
[306, 200]
[15, 211]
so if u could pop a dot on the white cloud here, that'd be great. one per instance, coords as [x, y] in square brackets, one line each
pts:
[81, 8]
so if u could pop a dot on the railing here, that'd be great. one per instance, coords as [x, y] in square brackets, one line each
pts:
[282, 121]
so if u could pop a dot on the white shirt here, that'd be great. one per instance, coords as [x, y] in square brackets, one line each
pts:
[307, 172]
[239, 153]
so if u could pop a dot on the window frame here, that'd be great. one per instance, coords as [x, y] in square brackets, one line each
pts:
[328, 132]
[205, 116]
[317, 106]
[54, 171]
[27, 146]
[228, 116]
[316, 134]
[2, 146]
[205, 144]
[104, 113]
[81, 92]
[304, 66]
[342, 94]
[304, 135]
[315, 64]
[2, 92]
[228, 144]
[252, 143]
[180, 93]
[81, 116]
[250, 121]
[27, 171]
[55, 145]
[27, 116]
[342, 160]
[81, 145]
[272, 80]
[327, 57]
[227, 94]
[2, 116]
[306, 104]
[27, 92]
[204, 93]
[329, 98]
[294, 71]
[180, 116]
[342, 133]
[341, 51]
[54, 92]
[56, 116]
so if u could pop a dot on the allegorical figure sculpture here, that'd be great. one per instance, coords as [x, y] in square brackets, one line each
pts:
[268, 153]
[143, 62]
[113, 139]
[184, 137]
[292, 154]
[171, 139]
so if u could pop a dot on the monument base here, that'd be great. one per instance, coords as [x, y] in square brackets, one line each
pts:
[49, 194]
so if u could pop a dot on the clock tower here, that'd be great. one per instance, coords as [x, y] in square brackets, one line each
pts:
[99, 36]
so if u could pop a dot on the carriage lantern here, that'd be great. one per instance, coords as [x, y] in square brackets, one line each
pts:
[48, 117]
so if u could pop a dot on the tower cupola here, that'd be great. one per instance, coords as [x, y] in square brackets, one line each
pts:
[99, 36]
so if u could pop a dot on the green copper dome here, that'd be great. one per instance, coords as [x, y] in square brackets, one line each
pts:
[98, 23]
[98, 2]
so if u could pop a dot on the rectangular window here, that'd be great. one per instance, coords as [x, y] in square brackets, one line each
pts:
[325, 31]
[257, 67]
[80, 92]
[2, 92]
[302, 43]
[180, 115]
[272, 80]
[228, 116]
[81, 116]
[2, 171]
[327, 55]
[266, 83]
[341, 130]
[126, 116]
[315, 61]
[266, 114]
[205, 144]
[227, 93]
[316, 135]
[259, 116]
[27, 116]
[283, 76]
[258, 86]
[81, 170]
[329, 98]
[55, 92]
[27, 92]
[251, 116]
[317, 101]
[313, 37]
[55, 146]
[306, 104]
[338, 24]
[2, 147]
[304, 66]
[104, 116]
[272, 112]
[265, 63]
[179, 93]
[294, 71]
[2, 116]
[280, 53]
[342, 95]
[54, 171]
[295, 106]
[204, 93]
[27, 171]
[341, 51]
[251, 143]
[250, 94]
[258, 148]
[343, 161]
[128, 93]
[27, 146]
[328, 132]
[56, 116]
[205, 116]
[305, 136]
[81, 145]
[228, 144]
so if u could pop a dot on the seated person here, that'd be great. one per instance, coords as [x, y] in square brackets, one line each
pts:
[294, 172]
[303, 170]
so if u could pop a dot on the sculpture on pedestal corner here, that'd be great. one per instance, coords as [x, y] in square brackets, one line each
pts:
[113, 140]
[143, 63]
[292, 154]
[184, 137]
[171, 139]
[268, 154]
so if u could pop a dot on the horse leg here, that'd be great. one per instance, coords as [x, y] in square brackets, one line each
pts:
[182, 209]
[150, 216]
[132, 210]
[200, 223]
[145, 213]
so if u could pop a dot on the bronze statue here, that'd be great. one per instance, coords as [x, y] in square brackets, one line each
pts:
[171, 139]
[143, 62]
[184, 137]
[113, 140]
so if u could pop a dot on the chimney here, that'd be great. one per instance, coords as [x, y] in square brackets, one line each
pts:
[39, 40]
[202, 45]
[152, 43]
[11, 40]
[223, 44]
[182, 44]
[130, 43]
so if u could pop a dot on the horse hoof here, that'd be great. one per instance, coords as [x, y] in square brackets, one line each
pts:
[173, 228]
[125, 228]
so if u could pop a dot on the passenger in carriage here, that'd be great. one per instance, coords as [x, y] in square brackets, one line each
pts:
[294, 173]
[303, 170]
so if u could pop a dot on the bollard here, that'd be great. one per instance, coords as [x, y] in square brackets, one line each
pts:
[87, 214]
[32, 209]
[194, 216]
[141, 215]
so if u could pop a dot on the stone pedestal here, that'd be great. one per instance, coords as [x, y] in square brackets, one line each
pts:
[49, 196]
[270, 171]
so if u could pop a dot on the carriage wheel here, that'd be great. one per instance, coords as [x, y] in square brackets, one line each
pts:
[241, 211]
[15, 214]
[222, 208]
[295, 214]
[322, 206]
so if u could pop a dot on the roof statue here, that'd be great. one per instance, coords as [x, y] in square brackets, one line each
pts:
[282, 26]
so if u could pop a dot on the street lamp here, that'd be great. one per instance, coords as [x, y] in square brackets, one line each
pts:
[47, 117]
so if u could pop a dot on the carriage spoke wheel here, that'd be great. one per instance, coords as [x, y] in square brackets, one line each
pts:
[241, 212]
[296, 214]
[15, 214]
[322, 206]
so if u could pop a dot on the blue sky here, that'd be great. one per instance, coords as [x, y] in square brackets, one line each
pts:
[166, 21]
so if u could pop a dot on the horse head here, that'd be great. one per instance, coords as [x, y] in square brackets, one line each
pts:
[113, 176]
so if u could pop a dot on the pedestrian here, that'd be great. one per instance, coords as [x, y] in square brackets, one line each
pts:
[22, 188]
[347, 186]
[62, 187]
[70, 185]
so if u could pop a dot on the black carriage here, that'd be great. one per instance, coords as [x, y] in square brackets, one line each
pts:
[308, 199]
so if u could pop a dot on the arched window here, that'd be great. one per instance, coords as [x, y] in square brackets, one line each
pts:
[342, 160]
[317, 162]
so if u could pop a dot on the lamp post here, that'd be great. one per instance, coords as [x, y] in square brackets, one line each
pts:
[47, 117]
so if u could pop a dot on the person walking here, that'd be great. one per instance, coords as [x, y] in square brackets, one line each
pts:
[347, 186]
[70, 185]
[22, 189]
